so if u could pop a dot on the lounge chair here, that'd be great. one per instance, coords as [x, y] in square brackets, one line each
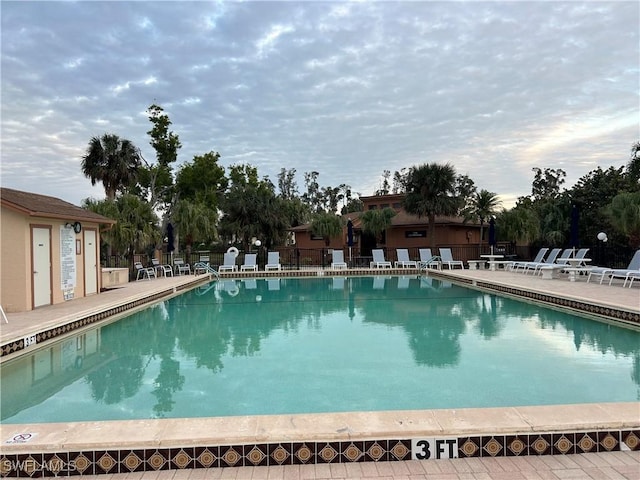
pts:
[228, 263]
[165, 269]
[273, 261]
[537, 259]
[378, 259]
[403, 259]
[427, 260]
[580, 255]
[447, 259]
[180, 267]
[249, 263]
[337, 258]
[632, 269]
[144, 272]
[533, 265]
[556, 255]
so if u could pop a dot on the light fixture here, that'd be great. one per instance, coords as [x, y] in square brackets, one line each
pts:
[257, 243]
[602, 237]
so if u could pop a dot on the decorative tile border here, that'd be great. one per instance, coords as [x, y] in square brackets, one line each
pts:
[102, 462]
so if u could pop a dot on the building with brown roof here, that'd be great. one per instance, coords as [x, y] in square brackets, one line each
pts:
[49, 250]
[406, 231]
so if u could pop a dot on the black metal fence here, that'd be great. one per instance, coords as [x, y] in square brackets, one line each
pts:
[302, 258]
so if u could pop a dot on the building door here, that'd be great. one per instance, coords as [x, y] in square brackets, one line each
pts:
[90, 263]
[41, 261]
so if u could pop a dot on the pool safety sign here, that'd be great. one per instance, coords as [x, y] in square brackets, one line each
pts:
[434, 448]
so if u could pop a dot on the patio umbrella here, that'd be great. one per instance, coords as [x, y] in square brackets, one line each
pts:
[492, 234]
[349, 236]
[574, 236]
[170, 240]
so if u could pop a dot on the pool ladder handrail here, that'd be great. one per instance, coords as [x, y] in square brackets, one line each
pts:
[206, 267]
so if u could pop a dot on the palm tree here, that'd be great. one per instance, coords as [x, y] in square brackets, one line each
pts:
[326, 225]
[195, 222]
[431, 192]
[624, 215]
[135, 229]
[484, 205]
[112, 161]
[377, 221]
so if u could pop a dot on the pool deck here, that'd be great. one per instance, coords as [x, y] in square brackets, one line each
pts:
[555, 437]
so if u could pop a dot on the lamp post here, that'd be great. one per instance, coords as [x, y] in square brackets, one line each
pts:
[603, 239]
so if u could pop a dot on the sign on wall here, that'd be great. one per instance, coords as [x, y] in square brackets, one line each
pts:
[67, 261]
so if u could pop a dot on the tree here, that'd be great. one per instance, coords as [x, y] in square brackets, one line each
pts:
[113, 161]
[156, 180]
[377, 221]
[519, 225]
[287, 184]
[203, 180]
[385, 188]
[195, 222]
[633, 167]
[326, 225]
[312, 196]
[431, 192]
[484, 205]
[624, 214]
[135, 229]
[252, 209]
[547, 183]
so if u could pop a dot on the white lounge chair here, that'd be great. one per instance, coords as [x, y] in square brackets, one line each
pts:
[631, 271]
[165, 269]
[378, 259]
[427, 260]
[180, 267]
[144, 272]
[273, 261]
[249, 263]
[228, 263]
[403, 259]
[447, 259]
[580, 255]
[557, 262]
[550, 260]
[516, 265]
[337, 258]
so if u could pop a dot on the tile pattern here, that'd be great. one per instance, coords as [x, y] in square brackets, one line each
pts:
[103, 462]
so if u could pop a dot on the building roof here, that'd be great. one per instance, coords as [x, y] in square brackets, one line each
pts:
[35, 205]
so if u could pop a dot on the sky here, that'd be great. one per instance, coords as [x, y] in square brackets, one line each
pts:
[347, 89]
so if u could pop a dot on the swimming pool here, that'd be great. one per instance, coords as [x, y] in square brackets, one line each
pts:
[323, 345]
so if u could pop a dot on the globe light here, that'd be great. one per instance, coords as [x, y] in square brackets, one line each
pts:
[257, 243]
[602, 237]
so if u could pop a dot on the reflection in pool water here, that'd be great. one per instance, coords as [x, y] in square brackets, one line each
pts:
[272, 346]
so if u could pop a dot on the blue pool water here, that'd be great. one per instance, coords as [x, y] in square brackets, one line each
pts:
[323, 345]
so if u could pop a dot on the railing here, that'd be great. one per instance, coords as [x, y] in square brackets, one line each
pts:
[314, 258]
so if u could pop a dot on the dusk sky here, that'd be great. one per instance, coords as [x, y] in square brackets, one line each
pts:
[345, 89]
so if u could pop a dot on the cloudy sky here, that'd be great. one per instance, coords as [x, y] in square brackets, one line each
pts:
[345, 89]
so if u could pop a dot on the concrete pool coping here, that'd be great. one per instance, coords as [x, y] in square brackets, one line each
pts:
[325, 438]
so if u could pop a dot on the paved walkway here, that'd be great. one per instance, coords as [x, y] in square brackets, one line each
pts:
[592, 466]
